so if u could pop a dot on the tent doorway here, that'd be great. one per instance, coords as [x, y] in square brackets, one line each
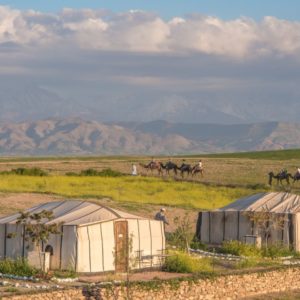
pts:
[121, 242]
[49, 249]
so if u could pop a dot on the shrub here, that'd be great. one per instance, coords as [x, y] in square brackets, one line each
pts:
[93, 172]
[64, 274]
[26, 172]
[110, 173]
[183, 263]
[183, 234]
[197, 244]
[251, 262]
[240, 249]
[71, 174]
[277, 250]
[19, 267]
[89, 172]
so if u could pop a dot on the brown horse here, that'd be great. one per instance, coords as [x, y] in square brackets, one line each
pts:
[153, 165]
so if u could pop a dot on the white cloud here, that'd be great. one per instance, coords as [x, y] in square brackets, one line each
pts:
[138, 31]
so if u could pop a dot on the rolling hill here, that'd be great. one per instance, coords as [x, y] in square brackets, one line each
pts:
[78, 137]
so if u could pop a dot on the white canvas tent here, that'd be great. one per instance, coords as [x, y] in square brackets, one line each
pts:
[233, 223]
[91, 236]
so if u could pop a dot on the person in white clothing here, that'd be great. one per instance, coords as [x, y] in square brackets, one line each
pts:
[200, 165]
[134, 170]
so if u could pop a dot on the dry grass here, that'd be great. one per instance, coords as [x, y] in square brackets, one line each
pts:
[220, 171]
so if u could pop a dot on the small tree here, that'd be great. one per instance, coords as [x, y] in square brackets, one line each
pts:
[266, 221]
[36, 230]
[183, 235]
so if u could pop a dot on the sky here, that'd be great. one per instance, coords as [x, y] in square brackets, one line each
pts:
[218, 53]
[227, 9]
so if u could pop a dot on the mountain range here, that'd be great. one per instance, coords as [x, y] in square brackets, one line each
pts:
[75, 136]
[22, 102]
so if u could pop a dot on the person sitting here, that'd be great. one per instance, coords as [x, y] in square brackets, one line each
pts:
[160, 216]
[151, 163]
[283, 172]
[297, 175]
[183, 165]
[200, 165]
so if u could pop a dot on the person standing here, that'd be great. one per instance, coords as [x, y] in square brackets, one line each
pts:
[134, 170]
[160, 216]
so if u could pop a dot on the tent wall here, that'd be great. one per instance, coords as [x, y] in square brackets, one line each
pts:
[95, 248]
[296, 231]
[145, 240]
[134, 235]
[217, 227]
[108, 245]
[2, 241]
[245, 226]
[55, 242]
[157, 240]
[204, 231]
[83, 250]
[14, 245]
[231, 223]
[68, 248]
[148, 238]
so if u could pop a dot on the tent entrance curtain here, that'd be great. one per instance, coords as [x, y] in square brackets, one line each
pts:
[121, 246]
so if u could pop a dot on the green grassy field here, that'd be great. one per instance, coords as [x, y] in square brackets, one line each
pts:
[140, 190]
[227, 177]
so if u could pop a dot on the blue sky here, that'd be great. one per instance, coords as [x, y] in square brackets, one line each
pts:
[226, 9]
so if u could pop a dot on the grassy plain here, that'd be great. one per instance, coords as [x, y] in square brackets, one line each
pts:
[227, 177]
[141, 190]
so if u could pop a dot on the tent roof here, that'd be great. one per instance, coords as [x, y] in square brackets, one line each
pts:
[273, 202]
[72, 212]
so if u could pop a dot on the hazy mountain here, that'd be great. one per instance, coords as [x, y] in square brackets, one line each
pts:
[22, 102]
[75, 136]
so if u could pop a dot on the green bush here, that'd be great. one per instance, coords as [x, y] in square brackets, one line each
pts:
[183, 263]
[71, 174]
[64, 274]
[19, 267]
[93, 172]
[240, 249]
[26, 172]
[109, 173]
[277, 250]
[196, 244]
[89, 172]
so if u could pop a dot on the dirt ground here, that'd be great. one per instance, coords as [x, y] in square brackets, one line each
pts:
[15, 202]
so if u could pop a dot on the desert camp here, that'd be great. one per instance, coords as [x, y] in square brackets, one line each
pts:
[237, 220]
[92, 236]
